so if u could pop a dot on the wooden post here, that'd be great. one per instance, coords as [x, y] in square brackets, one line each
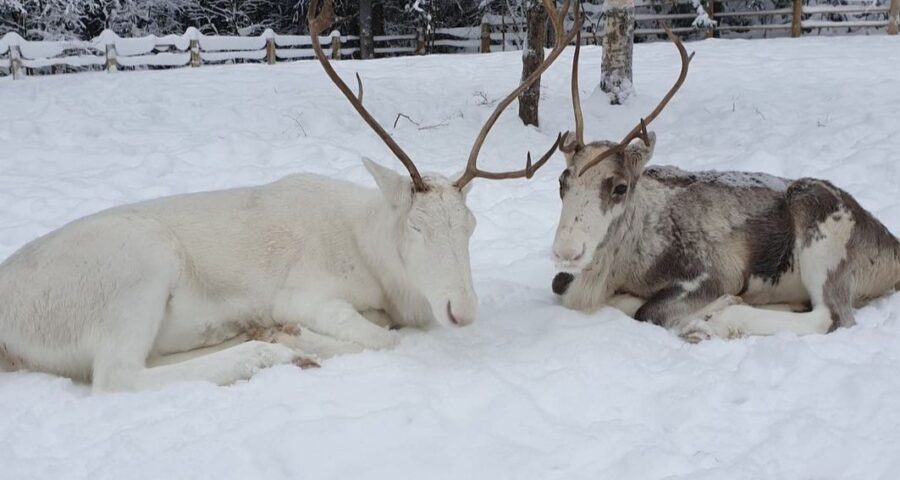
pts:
[894, 18]
[420, 40]
[15, 62]
[112, 63]
[503, 33]
[270, 51]
[485, 37]
[335, 45]
[797, 19]
[195, 53]
[711, 11]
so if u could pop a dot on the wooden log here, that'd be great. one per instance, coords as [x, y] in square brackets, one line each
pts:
[420, 40]
[797, 19]
[894, 18]
[112, 62]
[270, 51]
[503, 33]
[335, 45]
[195, 53]
[15, 62]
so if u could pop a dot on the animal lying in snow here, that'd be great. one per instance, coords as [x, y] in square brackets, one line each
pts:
[214, 286]
[688, 251]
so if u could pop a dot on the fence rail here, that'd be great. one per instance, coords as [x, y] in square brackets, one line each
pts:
[108, 51]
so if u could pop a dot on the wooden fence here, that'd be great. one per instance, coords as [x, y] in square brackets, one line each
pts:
[108, 51]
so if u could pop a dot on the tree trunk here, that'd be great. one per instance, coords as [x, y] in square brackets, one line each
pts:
[532, 57]
[366, 40]
[894, 18]
[618, 47]
[377, 19]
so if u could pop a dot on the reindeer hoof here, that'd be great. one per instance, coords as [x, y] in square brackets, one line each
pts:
[696, 332]
[305, 363]
[725, 328]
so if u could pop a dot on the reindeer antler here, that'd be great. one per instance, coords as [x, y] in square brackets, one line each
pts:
[578, 142]
[317, 24]
[557, 17]
[640, 130]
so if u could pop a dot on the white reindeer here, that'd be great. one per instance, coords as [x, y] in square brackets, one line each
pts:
[214, 286]
[685, 249]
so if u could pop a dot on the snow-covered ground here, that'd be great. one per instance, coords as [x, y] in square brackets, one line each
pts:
[531, 390]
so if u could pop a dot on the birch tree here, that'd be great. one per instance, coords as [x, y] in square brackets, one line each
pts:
[618, 48]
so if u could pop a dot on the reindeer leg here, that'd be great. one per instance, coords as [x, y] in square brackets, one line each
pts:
[824, 226]
[118, 370]
[682, 306]
[332, 318]
[626, 303]
[304, 340]
[129, 331]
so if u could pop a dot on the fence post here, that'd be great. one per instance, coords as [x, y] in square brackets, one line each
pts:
[195, 53]
[15, 62]
[112, 62]
[711, 12]
[485, 36]
[270, 51]
[420, 40]
[797, 19]
[894, 18]
[335, 45]
[503, 32]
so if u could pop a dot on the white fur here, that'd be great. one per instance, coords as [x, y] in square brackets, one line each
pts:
[582, 227]
[817, 261]
[101, 296]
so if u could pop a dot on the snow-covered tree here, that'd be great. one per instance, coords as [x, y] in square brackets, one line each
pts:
[44, 19]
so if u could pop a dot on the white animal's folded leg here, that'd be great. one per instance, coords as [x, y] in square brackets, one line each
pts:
[340, 320]
[222, 367]
[379, 317]
[336, 319]
[739, 320]
[306, 341]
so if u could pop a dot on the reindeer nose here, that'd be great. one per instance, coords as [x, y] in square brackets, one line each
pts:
[568, 253]
[459, 321]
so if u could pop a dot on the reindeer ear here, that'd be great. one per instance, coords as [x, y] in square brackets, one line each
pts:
[396, 188]
[569, 148]
[637, 154]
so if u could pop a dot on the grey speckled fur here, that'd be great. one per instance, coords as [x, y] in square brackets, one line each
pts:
[680, 240]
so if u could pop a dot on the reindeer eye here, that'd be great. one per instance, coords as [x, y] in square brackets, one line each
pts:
[620, 189]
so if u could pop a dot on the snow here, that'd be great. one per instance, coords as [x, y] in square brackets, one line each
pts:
[532, 390]
[162, 59]
[729, 178]
[223, 56]
[213, 43]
